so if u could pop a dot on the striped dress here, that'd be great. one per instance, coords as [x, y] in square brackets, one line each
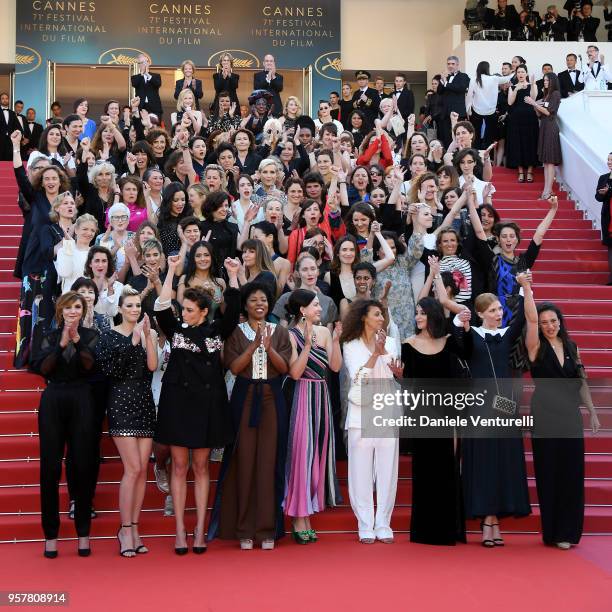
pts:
[311, 466]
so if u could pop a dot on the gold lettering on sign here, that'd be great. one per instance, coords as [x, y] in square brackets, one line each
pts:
[179, 9]
[293, 11]
[58, 6]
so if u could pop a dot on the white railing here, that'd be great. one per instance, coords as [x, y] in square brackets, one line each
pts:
[585, 121]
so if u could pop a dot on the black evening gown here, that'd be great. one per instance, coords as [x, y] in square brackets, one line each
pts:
[493, 469]
[437, 506]
[558, 461]
[522, 133]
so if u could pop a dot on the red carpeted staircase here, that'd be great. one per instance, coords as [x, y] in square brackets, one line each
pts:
[571, 271]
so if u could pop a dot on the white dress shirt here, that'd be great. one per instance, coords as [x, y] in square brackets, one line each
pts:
[483, 100]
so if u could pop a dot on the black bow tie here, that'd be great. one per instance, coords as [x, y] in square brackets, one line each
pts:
[493, 338]
[4, 108]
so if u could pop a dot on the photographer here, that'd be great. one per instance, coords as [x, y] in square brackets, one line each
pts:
[608, 18]
[528, 29]
[554, 27]
[583, 26]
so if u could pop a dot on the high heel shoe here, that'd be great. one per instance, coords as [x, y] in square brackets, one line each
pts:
[300, 537]
[198, 550]
[312, 534]
[497, 541]
[125, 552]
[141, 549]
[521, 177]
[49, 554]
[487, 543]
[84, 552]
[181, 550]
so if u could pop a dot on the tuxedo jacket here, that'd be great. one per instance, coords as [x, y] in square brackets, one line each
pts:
[453, 94]
[370, 107]
[510, 21]
[566, 85]
[196, 88]
[149, 92]
[6, 129]
[32, 134]
[405, 102]
[588, 27]
[275, 86]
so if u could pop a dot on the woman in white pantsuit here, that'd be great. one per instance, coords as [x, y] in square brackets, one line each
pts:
[369, 354]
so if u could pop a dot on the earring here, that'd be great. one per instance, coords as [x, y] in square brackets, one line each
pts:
[303, 318]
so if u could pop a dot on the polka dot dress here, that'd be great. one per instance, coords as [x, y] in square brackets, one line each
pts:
[131, 410]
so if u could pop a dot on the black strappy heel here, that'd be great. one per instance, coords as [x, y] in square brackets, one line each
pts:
[124, 552]
[141, 549]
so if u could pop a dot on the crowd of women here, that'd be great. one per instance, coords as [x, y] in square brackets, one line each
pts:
[212, 290]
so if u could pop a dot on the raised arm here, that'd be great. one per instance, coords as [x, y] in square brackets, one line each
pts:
[532, 338]
[546, 222]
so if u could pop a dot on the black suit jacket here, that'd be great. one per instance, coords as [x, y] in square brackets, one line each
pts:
[6, 129]
[149, 92]
[604, 180]
[453, 94]
[196, 88]
[370, 107]
[33, 135]
[566, 85]
[405, 102]
[229, 84]
[588, 27]
[510, 20]
[275, 86]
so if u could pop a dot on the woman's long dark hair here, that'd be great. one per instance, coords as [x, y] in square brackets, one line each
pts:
[475, 156]
[191, 268]
[568, 344]
[42, 143]
[352, 326]
[553, 84]
[436, 321]
[482, 68]
[335, 265]
[165, 207]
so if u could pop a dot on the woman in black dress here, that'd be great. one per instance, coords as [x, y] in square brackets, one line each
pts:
[193, 411]
[66, 417]
[493, 468]
[437, 508]
[603, 194]
[225, 79]
[522, 127]
[223, 233]
[189, 82]
[127, 354]
[174, 207]
[557, 437]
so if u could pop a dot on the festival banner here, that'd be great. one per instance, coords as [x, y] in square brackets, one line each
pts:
[115, 31]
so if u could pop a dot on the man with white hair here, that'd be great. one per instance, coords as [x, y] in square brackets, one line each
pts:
[147, 85]
[595, 75]
[452, 89]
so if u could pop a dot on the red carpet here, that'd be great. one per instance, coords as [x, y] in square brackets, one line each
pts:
[337, 573]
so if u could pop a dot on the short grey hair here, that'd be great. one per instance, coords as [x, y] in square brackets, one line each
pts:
[452, 58]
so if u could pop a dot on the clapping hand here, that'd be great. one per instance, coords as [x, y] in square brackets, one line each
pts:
[375, 227]
[465, 316]
[232, 266]
[397, 367]
[379, 343]
[434, 265]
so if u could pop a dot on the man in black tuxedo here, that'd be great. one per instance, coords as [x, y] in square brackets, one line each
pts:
[147, 86]
[366, 98]
[269, 80]
[546, 68]
[554, 27]
[568, 79]
[8, 124]
[583, 25]
[403, 96]
[527, 30]
[31, 131]
[570, 5]
[452, 89]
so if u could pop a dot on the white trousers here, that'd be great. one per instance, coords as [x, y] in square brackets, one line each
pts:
[372, 460]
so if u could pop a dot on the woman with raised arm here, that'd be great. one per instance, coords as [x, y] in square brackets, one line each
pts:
[66, 417]
[251, 486]
[437, 511]
[311, 467]
[493, 467]
[557, 438]
[369, 354]
[127, 354]
[194, 370]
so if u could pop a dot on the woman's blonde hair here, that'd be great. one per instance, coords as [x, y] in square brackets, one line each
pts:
[127, 291]
[86, 218]
[57, 201]
[268, 161]
[297, 102]
[190, 62]
[92, 175]
[484, 301]
[181, 97]
[221, 172]
[231, 59]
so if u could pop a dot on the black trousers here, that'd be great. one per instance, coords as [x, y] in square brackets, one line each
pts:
[66, 417]
[490, 132]
[100, 398]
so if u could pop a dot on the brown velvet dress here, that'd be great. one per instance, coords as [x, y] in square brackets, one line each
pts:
[251, 483]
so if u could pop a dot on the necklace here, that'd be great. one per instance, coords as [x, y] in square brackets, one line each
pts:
[260, 357]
